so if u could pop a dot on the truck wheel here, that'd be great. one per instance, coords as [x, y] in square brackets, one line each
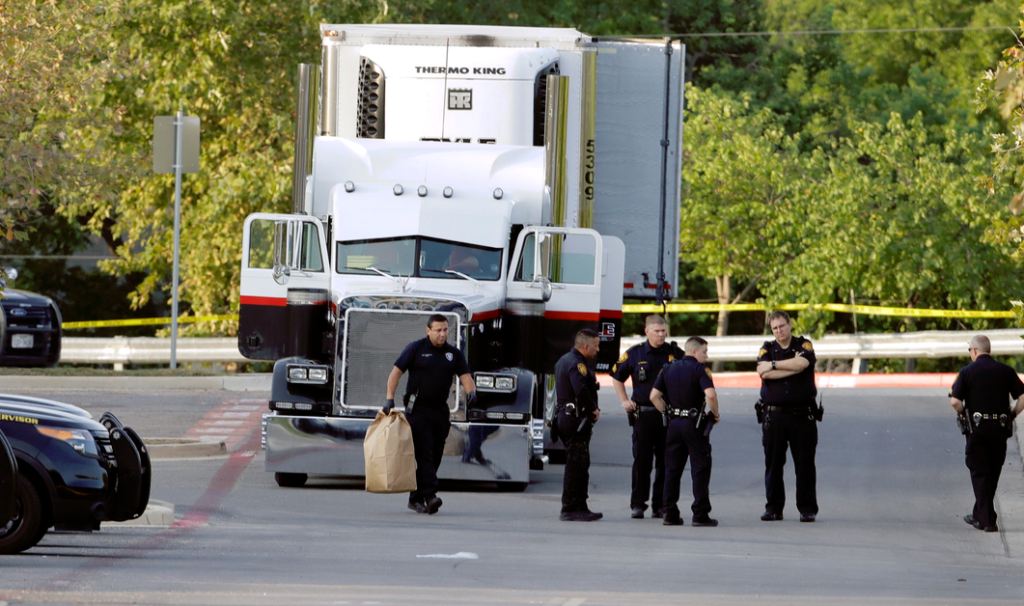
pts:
[26, 528]
[290, 480]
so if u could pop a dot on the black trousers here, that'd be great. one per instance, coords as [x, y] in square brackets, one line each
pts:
[648, 451]
[800, 434]
[430, 425]
[685, 441]
[985, 455]
[577, 461]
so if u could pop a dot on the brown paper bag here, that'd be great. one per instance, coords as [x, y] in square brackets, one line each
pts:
[390, 457]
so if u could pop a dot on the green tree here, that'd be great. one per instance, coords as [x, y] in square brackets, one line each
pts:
[744, 179]
[903, 223]
[57, 129]
[232, 65]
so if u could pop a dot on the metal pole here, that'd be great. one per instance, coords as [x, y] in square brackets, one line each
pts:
[178, 128]
[659, 292]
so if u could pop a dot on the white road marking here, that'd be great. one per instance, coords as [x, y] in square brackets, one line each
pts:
[462, 555]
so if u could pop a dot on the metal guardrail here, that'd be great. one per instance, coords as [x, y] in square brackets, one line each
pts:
[148, 350]
[923, 344]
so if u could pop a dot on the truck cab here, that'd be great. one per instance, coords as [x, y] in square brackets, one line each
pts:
[450, 169]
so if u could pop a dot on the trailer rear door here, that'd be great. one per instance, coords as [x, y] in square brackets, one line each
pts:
[629, 129]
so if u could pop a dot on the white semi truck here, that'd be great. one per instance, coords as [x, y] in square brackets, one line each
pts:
[519, 181]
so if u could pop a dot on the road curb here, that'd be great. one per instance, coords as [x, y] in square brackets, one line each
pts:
[163, 449]
[158, 513]
[253, 382]
[833, 380]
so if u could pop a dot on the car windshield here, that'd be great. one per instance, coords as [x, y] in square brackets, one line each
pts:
[423, 257]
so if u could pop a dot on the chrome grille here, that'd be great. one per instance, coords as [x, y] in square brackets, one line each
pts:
[372, 341]
[106, 448]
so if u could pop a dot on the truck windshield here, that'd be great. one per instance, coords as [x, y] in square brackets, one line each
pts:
[423, 257]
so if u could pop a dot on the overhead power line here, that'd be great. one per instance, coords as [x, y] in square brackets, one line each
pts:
[832, 32]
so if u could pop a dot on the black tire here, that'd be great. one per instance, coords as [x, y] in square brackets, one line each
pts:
[290, 480]
[26, 529]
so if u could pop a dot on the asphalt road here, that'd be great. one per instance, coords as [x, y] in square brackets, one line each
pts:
[892, 488]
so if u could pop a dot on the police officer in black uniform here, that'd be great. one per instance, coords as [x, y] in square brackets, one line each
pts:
[642, 363]
[575, 414]
[786, 367]
[432, 363]
[980, 392]
[681, 391]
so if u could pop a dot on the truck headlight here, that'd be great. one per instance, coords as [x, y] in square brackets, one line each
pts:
[495, 383]
[79, 439]
[307, 374]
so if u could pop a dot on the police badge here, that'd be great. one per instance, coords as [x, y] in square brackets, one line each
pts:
[449, 356]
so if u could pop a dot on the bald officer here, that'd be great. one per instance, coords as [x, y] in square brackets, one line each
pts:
[982, 391]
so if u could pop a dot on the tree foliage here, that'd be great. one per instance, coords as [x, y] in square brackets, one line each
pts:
[233, 66]
[815, 165]
[57, 127]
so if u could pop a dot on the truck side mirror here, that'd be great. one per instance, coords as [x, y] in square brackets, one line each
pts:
[541, 256]
[284, 236]
[281, 274]
[545, 290]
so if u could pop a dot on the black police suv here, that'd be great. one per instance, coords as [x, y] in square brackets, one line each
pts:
[30, 329]
[61, 469]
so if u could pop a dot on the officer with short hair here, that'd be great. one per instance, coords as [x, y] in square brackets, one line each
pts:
[982, 392]
[786, 367]
[642, 364]
[432, 363]
[575, 414]
[681, 391]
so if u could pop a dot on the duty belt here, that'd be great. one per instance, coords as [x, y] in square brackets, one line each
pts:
[683, 412]
[793, 410]
[980, 416]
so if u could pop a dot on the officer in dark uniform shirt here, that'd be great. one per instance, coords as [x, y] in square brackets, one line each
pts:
[681, 390]
[786, 367]
[642, 363]
[432, 363]
[575, 414]
[981, 392]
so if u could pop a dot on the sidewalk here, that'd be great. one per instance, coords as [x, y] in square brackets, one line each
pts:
[261, 381]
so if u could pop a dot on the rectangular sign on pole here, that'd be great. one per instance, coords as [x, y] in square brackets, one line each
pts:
[164, 141]
[175, 150]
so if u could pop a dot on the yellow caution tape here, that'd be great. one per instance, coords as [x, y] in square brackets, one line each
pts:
[145, 322]
[902, 312]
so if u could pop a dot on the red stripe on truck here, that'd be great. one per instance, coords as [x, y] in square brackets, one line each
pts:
[571, 315]
[270, 301]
